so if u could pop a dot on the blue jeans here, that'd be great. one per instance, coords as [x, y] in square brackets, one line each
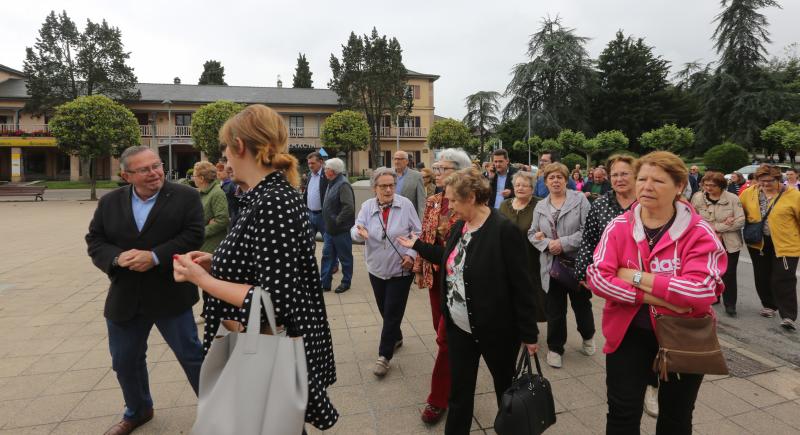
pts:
[317, 223]
[336, 247]
[127, 342]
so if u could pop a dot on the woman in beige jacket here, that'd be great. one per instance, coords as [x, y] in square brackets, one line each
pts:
[724, 212]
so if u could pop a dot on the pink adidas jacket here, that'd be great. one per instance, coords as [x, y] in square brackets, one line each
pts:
[688, 261]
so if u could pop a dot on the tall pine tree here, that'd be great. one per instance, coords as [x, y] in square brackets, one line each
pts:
[65, 63]
[213, 74]
[302, 73]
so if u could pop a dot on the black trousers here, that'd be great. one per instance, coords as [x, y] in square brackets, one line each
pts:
[776, 282]
[500, 355]
[729, 279]
[557, 314]
[629, 370]
[391, 296]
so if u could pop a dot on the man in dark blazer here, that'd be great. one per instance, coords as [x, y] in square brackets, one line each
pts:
[132, 238]
[501, 173]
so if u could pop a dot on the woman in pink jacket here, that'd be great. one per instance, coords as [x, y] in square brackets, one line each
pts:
[659, 257]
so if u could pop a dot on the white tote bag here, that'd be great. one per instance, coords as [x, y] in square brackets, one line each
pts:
[252, 383]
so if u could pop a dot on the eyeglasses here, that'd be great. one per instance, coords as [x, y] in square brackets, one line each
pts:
[146, 170]
[767, 181]
[440, 169]
[620, 174]
[385, 186]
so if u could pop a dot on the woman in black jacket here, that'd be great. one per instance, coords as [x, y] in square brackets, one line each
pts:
[488, 303]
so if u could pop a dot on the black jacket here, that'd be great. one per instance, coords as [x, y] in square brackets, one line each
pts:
[323, 186]
[509, 185]
[174, 226]
[339, 207]
[499, 291]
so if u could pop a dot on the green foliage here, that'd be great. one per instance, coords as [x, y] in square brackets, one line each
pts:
[556, 81]
[668, 138]
[726, 157]
[206, 123]
[370, 77]
[94, 126]
[65, 64]
[302, 73]
[782, 136]
[481, 117]
[571, 140]
[741, 34]
[611, 140]
[551, 145]
[633, 93]
[345, 131]
[449, 133]
[213, 74]
[792, 141]
[572, 159]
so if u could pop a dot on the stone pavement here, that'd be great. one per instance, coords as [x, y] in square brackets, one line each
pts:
[56, 377]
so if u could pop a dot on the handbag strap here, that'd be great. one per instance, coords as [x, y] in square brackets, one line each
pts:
[769, 210]
[254, 320]
[524, 363]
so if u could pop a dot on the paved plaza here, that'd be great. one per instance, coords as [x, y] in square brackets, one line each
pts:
[56, 377]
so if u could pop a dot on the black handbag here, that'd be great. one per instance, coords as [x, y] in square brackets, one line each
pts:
[754, 232]
[563, 271]
[527, 406]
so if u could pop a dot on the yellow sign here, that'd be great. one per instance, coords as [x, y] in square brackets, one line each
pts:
[27, 142]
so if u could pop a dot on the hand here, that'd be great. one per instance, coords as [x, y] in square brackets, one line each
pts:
[677, 309]
[233, 326]
[362, 232]
[532, 348]
[729, 221]
[588, 194]
[420, 279]
[407, 263]
[407, 242]
[555, 247]
[539, 236]
[506, 192]
[136, 260]
[201, 258]
[186, 270]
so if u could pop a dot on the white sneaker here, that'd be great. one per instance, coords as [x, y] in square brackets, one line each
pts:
[788, 324]
[588, 347]
[767, 312]
[554, 360]
[651, 401]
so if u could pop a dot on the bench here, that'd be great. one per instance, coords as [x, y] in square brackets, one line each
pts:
[15, 190]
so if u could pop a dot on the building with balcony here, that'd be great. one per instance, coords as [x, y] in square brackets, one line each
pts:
[164, 111]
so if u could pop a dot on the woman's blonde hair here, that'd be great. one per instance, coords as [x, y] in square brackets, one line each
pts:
[263, 132]
[469, 181]
[205, 170]
[556, 167]
[624, 158]
[668, 162]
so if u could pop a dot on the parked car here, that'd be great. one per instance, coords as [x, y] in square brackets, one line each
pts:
[749, 169]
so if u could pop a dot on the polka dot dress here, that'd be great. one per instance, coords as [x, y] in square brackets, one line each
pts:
[603, 211]
[271, 246]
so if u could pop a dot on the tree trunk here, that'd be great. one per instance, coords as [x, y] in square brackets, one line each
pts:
[92, 181]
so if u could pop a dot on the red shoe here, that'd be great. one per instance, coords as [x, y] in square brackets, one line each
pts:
[432, 414]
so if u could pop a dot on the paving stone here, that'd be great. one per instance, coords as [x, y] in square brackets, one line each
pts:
[75, 381]
[94, 359]
[399, 420]
[26, 387]
[96, 425]
[54, 362]
[758, 421]
[721, 400]
[99, 403]
[388, 394]
[46, 409]
[568, 424]
[722, 427]
[784, 384]
[350, 400]
[750, 392]
[787, 412]
[79, 343]
[32, 347]
[10, 408]
[573, 394]
[176, 420]
[14, 366]
[44, 429]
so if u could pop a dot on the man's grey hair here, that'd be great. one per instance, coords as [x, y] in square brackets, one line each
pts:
[336, 165]
[130, 152]
[456, 155]
[373, 180]
[402, 153]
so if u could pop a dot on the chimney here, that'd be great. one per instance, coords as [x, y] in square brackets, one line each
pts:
[280, 83]
[176, 80]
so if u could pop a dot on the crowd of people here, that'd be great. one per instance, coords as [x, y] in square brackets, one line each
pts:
[499, 249]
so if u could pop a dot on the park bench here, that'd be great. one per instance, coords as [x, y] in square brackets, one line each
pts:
[16, 190]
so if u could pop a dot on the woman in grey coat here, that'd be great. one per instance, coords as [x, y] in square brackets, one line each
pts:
[556, 231]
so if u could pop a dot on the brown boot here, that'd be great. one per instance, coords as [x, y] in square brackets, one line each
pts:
[125, 427]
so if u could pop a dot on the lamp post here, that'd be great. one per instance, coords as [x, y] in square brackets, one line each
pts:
[168, 102]
[529, 130]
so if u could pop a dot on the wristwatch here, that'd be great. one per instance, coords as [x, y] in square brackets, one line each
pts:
[115, 261]
[637, 278]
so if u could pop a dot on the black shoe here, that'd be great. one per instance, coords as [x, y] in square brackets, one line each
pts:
[398, 344]
[342, 288]
[730, 311]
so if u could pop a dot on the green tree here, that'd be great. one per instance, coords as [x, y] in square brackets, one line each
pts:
[633, 91]
[213, 74]
[481, 117]
[572, 159]
[64, 64]
[449, 133]
[604, 142]
[774, 138]
[206, 123]
[302, 73]
[371, 78]
[345, 131]
[668, 138]
[521, 148]
[551, 145]
[726, 157]
[94, 126]
[557, 81]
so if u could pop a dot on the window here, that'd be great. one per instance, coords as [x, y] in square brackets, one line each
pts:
[296, 126]
[183, 119]
[417, 91]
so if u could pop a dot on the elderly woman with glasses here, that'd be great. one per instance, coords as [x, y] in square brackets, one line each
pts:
[436, 222]
[381, 220]
[775, 256]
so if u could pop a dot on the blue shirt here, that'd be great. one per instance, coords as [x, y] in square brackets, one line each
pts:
[314, 202]
[541, 190]
[400, 180]
[501, 186]
[141, 209]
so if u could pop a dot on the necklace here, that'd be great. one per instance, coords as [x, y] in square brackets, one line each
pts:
[654, 234]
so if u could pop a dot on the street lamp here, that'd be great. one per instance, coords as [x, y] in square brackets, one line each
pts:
[168, 102]
[529, 130]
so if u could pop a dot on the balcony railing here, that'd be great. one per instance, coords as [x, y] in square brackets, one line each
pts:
[303, 132]
[404, 131]
[33, 130]
[164, 130]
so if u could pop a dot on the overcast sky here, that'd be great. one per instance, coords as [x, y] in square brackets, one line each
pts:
[472, 45]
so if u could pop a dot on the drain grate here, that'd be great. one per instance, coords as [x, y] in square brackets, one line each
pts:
[743, 366]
